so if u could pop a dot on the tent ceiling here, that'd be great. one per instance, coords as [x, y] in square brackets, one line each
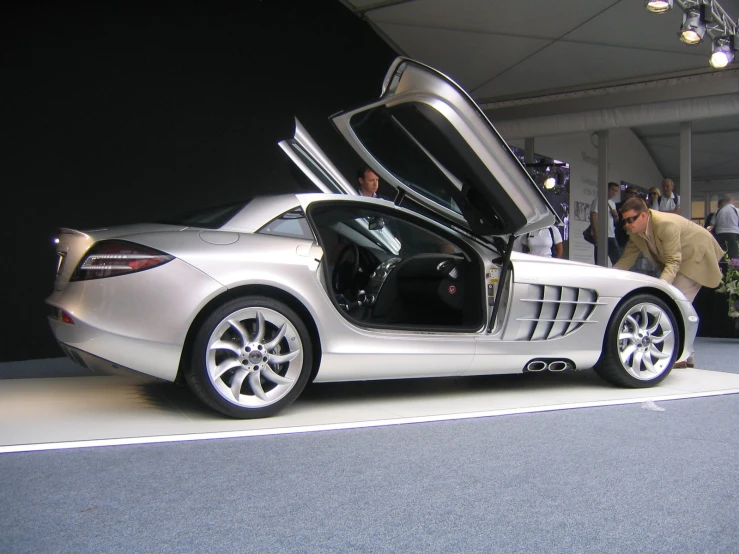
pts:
[502, 51]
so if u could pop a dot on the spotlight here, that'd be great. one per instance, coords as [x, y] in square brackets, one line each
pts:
[723, 52]
[550, 182]
[658, 6]
[694, 25]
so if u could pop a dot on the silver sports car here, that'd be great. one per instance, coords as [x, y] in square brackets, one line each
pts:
[249, 302]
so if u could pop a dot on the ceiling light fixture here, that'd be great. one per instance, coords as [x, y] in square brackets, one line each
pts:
[723, 52]
[549, 182]
[658, 6]
[701, 18]
[694, 25]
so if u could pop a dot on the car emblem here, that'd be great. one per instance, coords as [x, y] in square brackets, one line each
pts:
[452, 289]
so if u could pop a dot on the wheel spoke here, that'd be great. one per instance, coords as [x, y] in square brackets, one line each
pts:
[631, 321]
[256, 386]
[661, 338]
[657, 353]
[626, 336]
[654, 327]
[240, 330]
[275, 341]
[224, 366]
[648, 360]
[259, 334]
[636, 362]
[274, 359]
[644, 319]
[627, 352]
[226, 345]
[270, 375]
[237, 381]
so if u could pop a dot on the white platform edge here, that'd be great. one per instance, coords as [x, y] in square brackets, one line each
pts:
[349, 425]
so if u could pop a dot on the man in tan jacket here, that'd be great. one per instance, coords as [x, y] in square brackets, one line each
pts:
[685, 253]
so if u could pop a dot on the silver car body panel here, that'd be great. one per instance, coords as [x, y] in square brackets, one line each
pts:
[544, 309]
[140, 321]
[540, 311]
[513, 203]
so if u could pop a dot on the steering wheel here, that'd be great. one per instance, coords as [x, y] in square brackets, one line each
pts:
[346, 267]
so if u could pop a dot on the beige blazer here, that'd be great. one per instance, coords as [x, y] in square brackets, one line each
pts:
[682, 247]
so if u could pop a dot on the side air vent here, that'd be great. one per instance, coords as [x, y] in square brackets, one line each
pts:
[549, 312]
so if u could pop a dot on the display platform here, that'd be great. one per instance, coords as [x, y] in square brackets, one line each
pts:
[79, 412]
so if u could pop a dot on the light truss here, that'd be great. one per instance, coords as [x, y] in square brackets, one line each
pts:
[718, 22]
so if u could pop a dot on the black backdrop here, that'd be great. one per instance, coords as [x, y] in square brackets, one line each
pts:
[114, 115]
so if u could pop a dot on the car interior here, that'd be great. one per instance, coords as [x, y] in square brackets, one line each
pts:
[387, 271]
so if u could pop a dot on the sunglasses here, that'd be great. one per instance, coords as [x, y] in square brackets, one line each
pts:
[630, 220]
[653, 194]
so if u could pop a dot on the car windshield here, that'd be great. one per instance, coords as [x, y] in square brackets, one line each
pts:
[374, 228]
[377, 231]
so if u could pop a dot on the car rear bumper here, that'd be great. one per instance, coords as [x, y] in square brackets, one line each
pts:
[138, 321]
[99, 365]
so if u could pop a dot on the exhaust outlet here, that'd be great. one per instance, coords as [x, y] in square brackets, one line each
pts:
[557, 366]
[536, 365]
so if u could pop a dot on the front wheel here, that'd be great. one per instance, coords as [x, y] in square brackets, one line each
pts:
[251, 358]
[641, 343]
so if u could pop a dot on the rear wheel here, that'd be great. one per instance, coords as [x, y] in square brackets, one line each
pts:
[641, 343]
[251, 358]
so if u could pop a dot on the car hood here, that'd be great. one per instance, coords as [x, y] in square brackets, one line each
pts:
[428, 139]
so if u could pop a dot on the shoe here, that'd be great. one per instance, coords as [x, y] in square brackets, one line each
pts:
[680, 365]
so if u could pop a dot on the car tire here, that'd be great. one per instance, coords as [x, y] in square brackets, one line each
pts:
[251, 358]
[641, 344]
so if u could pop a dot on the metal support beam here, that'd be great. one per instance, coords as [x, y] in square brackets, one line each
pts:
[602, 223]
[654, 113]
[686, 169]
[528, 153]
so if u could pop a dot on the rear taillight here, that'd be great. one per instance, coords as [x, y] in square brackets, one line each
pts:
[61, 315]
[116, 257]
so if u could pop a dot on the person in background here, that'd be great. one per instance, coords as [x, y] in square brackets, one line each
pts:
[710, 221]
[726, 228]
[669, 202]
[622, 237]
[614, 251]
[684, 253]
[368, 181]
[541, 242]
[653, 197]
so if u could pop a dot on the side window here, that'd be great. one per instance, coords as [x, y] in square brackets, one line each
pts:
[289, 224]
[378, 232]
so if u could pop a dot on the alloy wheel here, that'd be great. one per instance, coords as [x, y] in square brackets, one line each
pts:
[646, 341]
[254, 357]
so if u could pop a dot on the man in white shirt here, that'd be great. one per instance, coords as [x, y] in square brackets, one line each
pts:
[368, 181]
[614, 250]
[710, 221]
[726, 227]
[669, 202]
